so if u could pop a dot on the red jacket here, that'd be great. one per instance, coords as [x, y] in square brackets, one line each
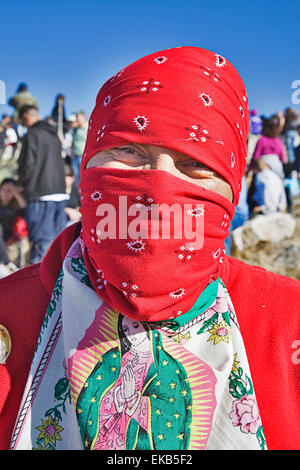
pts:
[267, 307]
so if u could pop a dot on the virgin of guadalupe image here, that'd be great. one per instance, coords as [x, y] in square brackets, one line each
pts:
[138, 395]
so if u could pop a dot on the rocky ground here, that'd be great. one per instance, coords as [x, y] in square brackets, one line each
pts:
[272, 242]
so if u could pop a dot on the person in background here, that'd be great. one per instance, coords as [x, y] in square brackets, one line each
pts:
[269, 142]
[6, 226]
[41, 173]
[68, 137]
[281, 121]
[79, 139]
[290, 133]
[266, 193]
[12, 210]
[55, 110]
[73, 203]
[4, 259]
[12, 205]
[21, 98]
[2, 140]
[291, 182]
[6, 120]
[297, 156]
[241, 214]
[11, 138]
[256, 125]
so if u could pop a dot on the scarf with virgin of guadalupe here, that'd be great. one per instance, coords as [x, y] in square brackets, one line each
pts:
[102, 381]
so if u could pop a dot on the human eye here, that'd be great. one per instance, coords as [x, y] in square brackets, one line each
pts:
[128, 150]
[195, 164]
[195, 169]
[130, 155]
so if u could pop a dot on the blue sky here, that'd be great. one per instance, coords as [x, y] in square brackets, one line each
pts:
[72, 47]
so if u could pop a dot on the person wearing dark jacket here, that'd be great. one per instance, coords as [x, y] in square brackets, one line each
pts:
[59, 101]
[41, 174]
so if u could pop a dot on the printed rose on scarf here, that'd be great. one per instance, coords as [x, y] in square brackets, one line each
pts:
[245, 414]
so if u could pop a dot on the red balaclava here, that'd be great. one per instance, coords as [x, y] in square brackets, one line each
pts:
[186, 99]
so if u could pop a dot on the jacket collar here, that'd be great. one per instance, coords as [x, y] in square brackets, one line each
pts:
[52, 262]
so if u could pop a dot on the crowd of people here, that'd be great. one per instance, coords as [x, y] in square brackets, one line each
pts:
[272, 177]
[39, 174]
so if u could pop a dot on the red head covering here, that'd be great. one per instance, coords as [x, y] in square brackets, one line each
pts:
[186, 99]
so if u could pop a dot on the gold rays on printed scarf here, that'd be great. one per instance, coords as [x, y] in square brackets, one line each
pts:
[202, 382]
[84, 360]
[199, 376]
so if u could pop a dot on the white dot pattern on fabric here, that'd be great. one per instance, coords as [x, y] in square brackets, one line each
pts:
[197, 212]
[150, 85]
[206, 99]
[198, 134]
[238, 130]
[130, 289]
[178, 293]
[117, 75]
[141, 122]
[136, 245]
[232, 160]
[160, 59]
[100, 133]
[107, 100]
[216, 253]
[94, 237]
[185, 253]
[225, 220]
[211, 74]
[220, 61]
[96, 196]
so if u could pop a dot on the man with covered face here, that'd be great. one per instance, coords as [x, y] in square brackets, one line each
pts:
[152, 342]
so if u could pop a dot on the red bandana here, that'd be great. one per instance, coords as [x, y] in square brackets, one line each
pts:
[151, 274]
[185, 99]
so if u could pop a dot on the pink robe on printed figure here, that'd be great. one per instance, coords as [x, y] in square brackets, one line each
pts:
[116, 412]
